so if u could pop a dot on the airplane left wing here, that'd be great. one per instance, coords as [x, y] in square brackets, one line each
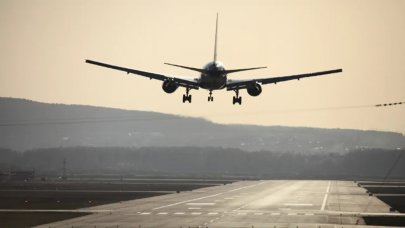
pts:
[188, 83]
[243, 84]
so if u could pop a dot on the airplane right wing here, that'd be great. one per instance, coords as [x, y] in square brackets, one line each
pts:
[243, 84]
[188, 83]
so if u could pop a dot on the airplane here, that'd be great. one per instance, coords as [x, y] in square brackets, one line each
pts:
[213, 76]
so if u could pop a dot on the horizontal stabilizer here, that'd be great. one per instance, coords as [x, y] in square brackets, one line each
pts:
[186, 67]
[245, 69]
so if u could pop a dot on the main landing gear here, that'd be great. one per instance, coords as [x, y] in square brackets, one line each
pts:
[237, 98]
[187, 96]
[210, 98]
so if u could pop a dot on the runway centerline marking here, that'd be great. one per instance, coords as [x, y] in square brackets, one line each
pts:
[194, 208]
[325, 198]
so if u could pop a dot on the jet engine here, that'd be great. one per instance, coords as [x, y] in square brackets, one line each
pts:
[169, 86]
[254, 89]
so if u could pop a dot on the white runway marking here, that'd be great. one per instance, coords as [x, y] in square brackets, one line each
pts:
[162, 213]
[229, 198]
[145, 213]
[179, 213]
[258, 214]
[196, 213]
[205, 197]
[298, 204]
[194, 208]
[309, 214]
[241, 213]
[212, 213]
[186, 201]
[201, 204]
[325, 198]
[275, 213]
[292, 214]
[237, 189]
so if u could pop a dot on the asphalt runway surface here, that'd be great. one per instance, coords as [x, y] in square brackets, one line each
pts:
[278, 203]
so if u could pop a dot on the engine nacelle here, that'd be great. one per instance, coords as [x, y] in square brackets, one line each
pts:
[254, 89]
[169, 86]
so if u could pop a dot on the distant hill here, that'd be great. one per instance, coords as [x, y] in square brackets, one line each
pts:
[206, 162]
[28, 125]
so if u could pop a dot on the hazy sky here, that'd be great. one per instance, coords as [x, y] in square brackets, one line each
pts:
[43, 45]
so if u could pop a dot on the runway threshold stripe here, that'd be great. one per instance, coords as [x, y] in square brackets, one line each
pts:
[325, 198]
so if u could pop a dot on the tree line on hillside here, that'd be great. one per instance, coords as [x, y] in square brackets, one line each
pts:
[207, 161]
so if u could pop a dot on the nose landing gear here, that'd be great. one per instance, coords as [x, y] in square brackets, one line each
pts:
[237, 98]
[210, 98]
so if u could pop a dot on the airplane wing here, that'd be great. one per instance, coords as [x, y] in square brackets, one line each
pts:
[188, 83]
[243, 84]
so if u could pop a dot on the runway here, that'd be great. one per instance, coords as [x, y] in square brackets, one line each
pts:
[281, 203]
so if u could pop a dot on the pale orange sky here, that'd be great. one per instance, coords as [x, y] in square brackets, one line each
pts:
[44, 43]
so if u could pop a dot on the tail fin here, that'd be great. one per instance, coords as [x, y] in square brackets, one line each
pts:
[216, 39]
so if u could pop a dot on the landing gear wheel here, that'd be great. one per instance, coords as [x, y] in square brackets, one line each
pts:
[210, 98]
[187, 96]
[237, 98]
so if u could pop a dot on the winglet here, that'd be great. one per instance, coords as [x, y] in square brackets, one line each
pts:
[216, 39]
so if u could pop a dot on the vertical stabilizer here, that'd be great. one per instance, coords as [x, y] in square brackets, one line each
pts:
[216, 39]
